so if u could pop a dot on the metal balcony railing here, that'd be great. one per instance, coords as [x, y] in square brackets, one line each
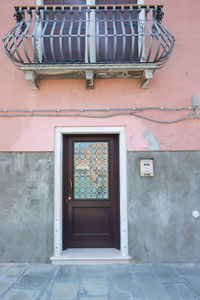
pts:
[84, 35]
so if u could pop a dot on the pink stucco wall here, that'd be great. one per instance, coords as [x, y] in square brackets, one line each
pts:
[172, 86]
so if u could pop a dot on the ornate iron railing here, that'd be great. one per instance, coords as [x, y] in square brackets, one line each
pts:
[102, 34]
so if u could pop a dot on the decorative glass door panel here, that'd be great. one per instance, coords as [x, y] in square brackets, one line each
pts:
[91, 170]
[90, 192]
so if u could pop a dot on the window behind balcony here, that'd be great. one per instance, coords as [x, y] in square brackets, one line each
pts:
[106, 41]
[81, 2]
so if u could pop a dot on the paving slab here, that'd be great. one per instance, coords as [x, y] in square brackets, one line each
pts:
[22, 265]
[152, 289]
[4, 285]
[93, 270]
[124, 289]
[179, 291]
[42, 269]
[68, 290]
[193, 283]
[167, 273]
[68, 273]
[13, 273]
[188, 270]
[92, 298]
[33, 281]
[61, 298]
[93, 287]
[44, 296]
[4, 268]
[18, 294]
[122, 283]
[143, 271]
[119, 271]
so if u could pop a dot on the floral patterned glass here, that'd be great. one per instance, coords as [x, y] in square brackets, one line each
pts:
[91, 170]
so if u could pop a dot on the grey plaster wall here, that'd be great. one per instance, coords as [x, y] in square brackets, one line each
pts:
[26, 207]
[161, 226]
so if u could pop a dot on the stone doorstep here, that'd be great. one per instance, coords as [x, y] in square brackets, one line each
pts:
[81, 261]
[90, 256]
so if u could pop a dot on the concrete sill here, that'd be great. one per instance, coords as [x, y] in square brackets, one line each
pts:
[35, 72]
[90, 256]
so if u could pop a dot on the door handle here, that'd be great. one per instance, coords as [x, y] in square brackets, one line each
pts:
[70, 185]
[70, 189]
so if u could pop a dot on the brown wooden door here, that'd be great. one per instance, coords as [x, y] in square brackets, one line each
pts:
[91, 192]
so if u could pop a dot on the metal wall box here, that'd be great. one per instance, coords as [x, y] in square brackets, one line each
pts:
[146, 167]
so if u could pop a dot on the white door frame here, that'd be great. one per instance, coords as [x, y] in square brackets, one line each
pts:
[59, 132]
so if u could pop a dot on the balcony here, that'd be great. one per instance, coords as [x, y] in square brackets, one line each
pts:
[101, 41]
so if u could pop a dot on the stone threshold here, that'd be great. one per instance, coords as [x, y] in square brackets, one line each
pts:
[90, 256]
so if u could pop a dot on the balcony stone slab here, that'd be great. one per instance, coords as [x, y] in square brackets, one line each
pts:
[36, 72]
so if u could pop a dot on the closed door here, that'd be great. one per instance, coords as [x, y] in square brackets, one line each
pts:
[91, 192]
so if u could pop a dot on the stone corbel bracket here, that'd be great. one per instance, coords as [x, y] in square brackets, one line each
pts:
[89, 75]
[36, 72]
[146, 79]
[32, 79]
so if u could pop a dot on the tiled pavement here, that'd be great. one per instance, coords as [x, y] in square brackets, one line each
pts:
[99, 282]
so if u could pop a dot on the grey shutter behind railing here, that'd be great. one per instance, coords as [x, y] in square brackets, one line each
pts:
[116, 47]
[110, 31]
[67, 24]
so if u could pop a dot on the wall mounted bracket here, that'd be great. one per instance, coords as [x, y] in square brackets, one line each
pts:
[32, 79]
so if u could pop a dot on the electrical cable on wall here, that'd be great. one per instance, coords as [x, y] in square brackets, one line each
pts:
[84, 113]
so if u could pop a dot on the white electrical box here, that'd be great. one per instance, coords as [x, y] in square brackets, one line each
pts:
[146, 167]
